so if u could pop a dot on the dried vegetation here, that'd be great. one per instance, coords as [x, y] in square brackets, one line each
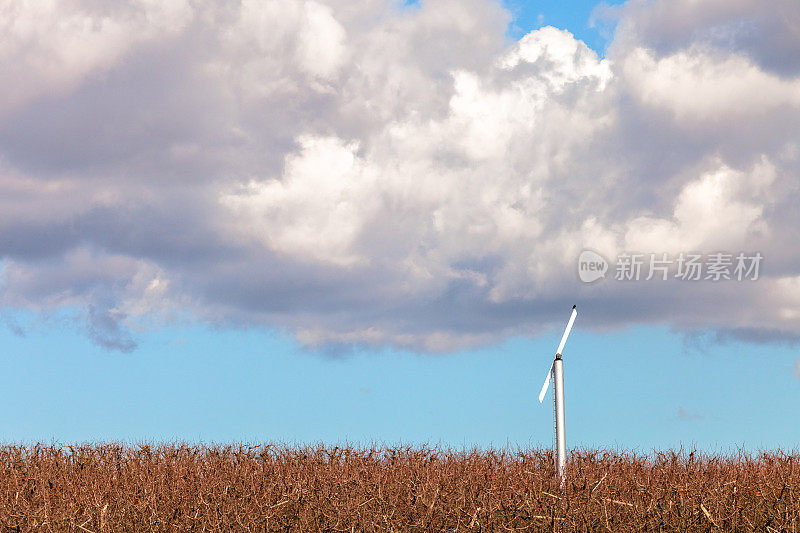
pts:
[110, 487]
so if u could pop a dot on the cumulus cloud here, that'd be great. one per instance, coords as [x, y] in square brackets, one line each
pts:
[394, 175]
[50, 47]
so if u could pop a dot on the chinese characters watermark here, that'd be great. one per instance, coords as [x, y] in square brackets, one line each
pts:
[685, 266]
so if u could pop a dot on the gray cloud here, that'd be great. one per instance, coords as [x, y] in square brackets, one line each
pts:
[394, 176]
[770, 37]
[683, 414]
[105, 330]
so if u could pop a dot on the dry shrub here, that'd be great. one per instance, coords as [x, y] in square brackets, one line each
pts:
[112, 487]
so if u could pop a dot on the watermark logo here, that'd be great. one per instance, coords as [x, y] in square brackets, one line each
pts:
[688, 266]
[591, 266]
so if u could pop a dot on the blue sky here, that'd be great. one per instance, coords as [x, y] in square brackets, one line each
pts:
[453, 356]
[640, 388]
[575, 16]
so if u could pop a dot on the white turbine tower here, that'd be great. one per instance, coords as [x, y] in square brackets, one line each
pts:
[556, 372]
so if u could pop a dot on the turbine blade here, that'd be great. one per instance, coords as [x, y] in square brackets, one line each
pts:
[546, 382]
[569, 327]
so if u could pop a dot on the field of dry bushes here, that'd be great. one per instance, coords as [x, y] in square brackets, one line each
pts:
[110, 487]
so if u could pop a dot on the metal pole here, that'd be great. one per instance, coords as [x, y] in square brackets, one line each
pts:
[561, 433]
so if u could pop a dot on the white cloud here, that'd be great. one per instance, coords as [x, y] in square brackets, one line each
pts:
[391, 175]
[321, 48]
[49, 47]
[719, 210]
[316, 210]
[699, 86]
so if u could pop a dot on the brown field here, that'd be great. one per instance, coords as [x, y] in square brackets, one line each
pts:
[109, 487]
